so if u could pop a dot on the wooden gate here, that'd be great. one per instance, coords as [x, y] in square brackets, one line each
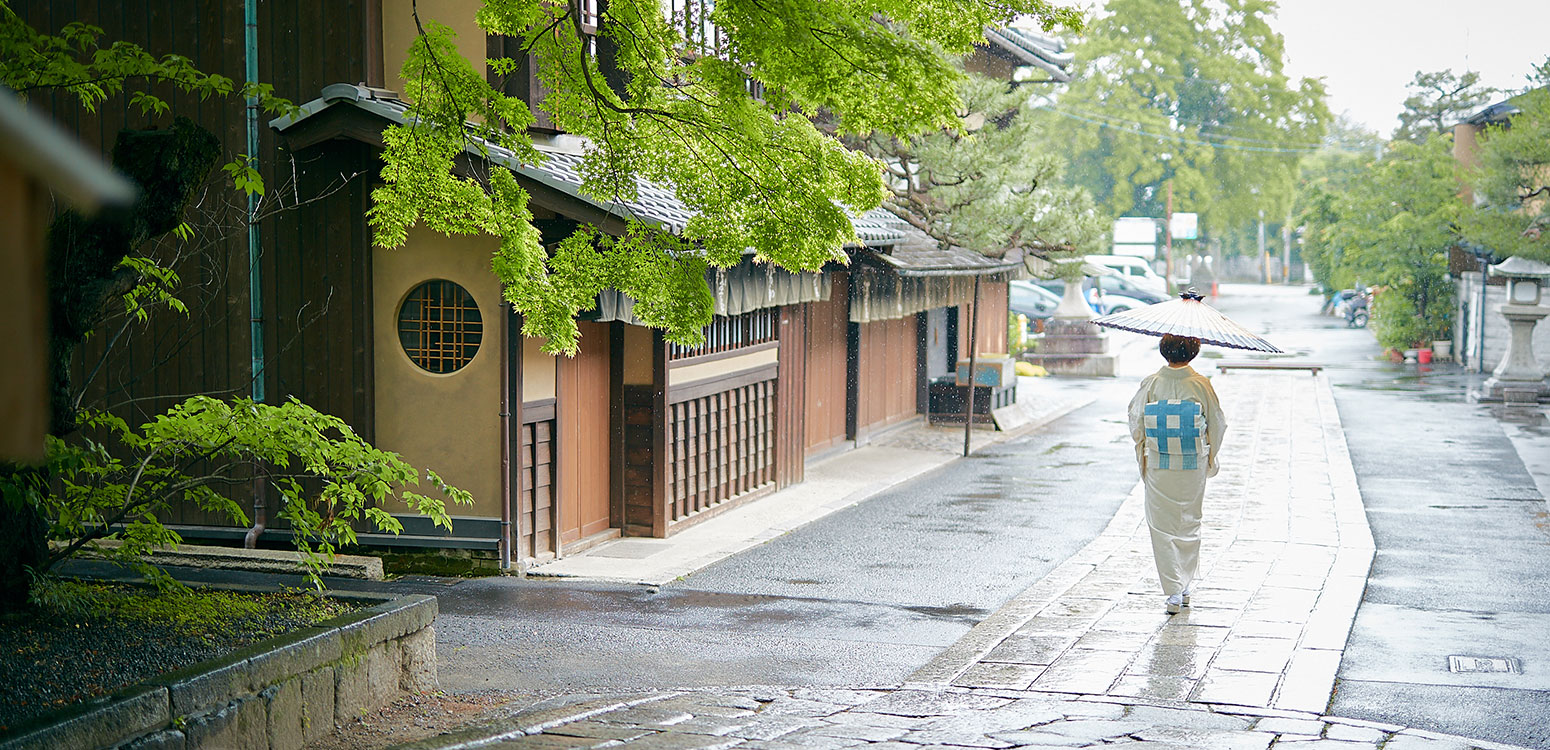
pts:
[583, 424]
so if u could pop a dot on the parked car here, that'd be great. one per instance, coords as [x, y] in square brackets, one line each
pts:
[1129, 287]
[1133, 268]
[1112, 303]
[1034, 301]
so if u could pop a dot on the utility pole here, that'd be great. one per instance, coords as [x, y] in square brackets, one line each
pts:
[1286, 249]
[1168, 238]
[1264, 257]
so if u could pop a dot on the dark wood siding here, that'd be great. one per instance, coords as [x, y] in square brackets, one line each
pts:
[888, 375]
[791, 396]
[536, 509]
[316, 300]
[992, 321]
[825, 397]
[720, 444]
[584, 446]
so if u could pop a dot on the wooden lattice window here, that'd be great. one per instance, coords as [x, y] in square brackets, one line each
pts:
[440, 326]
[725, 334]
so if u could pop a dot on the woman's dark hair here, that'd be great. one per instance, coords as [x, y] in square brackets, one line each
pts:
[1178, 349]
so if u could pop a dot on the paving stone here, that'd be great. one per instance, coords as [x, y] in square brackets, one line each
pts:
[1085, 709]
[1243, 654]
[713, 725]
[1113, 640]
[1312, 727]
[1266, 629]
[598, 730]
[772, 727]
[808, 739]
[1153, 687]
[922, 703]
[955, 739]
[1025, 649]
[876, 720]
[1189, 717]
[993, 675]
[547, 742]
[837, 695]
[1092, 730]
[1207, 739]
[1052, 625]
[1236, 688]
[1315, 743]
[770, 745]
[1171, 661]
[1134, 622]
[858, 731]
[1355, 734]
[1408, 741]
[801, 707]
[646, 716]
[1070, 606]
[1039, 738]
[1179, 634]
[1085, 672]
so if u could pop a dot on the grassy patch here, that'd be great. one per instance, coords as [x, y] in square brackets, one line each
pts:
[433, 564]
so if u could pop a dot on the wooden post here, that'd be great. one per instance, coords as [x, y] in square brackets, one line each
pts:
[974, 332]
[1168, 240]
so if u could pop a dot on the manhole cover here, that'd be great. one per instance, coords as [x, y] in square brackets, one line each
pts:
[1483, 664]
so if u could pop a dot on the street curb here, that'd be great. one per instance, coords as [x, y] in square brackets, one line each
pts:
[530, 721]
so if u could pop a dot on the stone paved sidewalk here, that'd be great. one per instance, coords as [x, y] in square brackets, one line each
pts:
[1086, 657]
[1284, 560]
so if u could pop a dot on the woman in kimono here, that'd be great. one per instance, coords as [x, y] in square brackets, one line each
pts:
[1177, 426]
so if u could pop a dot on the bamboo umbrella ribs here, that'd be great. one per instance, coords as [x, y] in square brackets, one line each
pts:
[1187, 316]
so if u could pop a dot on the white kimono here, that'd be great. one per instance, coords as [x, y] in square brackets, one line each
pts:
[1181, 435]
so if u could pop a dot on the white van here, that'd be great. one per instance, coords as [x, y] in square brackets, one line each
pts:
[1136, 269]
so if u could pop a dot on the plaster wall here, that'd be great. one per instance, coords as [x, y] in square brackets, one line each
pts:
[1496, 329]
[24, 382]
[537, 371]
[398, 32]
[639, 356]
[686, 374]
[448, 423]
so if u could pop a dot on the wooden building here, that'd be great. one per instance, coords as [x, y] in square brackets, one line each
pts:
[415, 348]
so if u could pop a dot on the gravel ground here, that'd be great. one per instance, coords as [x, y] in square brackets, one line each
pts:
[416, 717]
[106, 637]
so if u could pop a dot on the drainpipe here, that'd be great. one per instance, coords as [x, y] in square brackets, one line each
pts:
[255, 289]
[503, 545]
[1485, 273]
[974, 332]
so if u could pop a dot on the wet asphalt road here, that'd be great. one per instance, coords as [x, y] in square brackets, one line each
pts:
[1462, 534]
[863, 596]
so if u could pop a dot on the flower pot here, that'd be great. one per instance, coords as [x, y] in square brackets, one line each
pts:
[1423, 356]
[1396, 356]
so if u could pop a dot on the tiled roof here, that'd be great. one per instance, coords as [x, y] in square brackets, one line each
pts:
[654, 204]
[920, 254]
[1032, 48]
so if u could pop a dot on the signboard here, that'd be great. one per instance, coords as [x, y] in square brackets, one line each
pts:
[1135, 230]
[1184, 227]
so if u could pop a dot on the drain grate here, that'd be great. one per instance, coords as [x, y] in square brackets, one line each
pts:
[1502, 664]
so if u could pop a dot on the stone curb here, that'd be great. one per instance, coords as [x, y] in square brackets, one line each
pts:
[362, 567]
[531, 721]
[223, 689]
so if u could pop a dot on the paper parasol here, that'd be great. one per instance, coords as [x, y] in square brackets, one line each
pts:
[1187, 316]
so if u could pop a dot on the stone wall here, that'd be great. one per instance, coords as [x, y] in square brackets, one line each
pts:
[274, 695]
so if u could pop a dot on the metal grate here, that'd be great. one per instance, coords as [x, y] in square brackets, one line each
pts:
[440, 326]
[1460, 664]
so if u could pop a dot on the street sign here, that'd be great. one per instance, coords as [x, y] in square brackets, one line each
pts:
[1135, 230]
[1149, 252]
[1184, 226]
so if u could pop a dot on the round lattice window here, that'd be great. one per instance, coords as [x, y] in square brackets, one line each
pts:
[439, 326]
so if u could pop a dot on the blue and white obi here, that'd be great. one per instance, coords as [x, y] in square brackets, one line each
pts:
[1175, 433]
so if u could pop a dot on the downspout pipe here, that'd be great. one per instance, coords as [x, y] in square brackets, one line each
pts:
[503, 545]
[255, 287]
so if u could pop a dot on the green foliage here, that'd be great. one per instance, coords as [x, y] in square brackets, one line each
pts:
[1512, 182]
[1398, 324]
[1191, 92]
[1325, 178]
[327, 477]
[1438, 101]
[682, 113]
[194, 613]
[991, 184]
[1394, 227]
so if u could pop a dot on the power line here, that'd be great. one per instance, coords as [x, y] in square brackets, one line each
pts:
[1176, 137]
[1222, 136]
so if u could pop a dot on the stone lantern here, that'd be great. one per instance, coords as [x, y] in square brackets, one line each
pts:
[1072, 343]
[1519, 379]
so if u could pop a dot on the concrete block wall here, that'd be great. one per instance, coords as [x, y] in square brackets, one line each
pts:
[1466, 331]
[278, 694]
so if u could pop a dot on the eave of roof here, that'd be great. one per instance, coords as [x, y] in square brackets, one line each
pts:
[922, 255]
[56, 159]
[1033, 49]
[654, 204]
